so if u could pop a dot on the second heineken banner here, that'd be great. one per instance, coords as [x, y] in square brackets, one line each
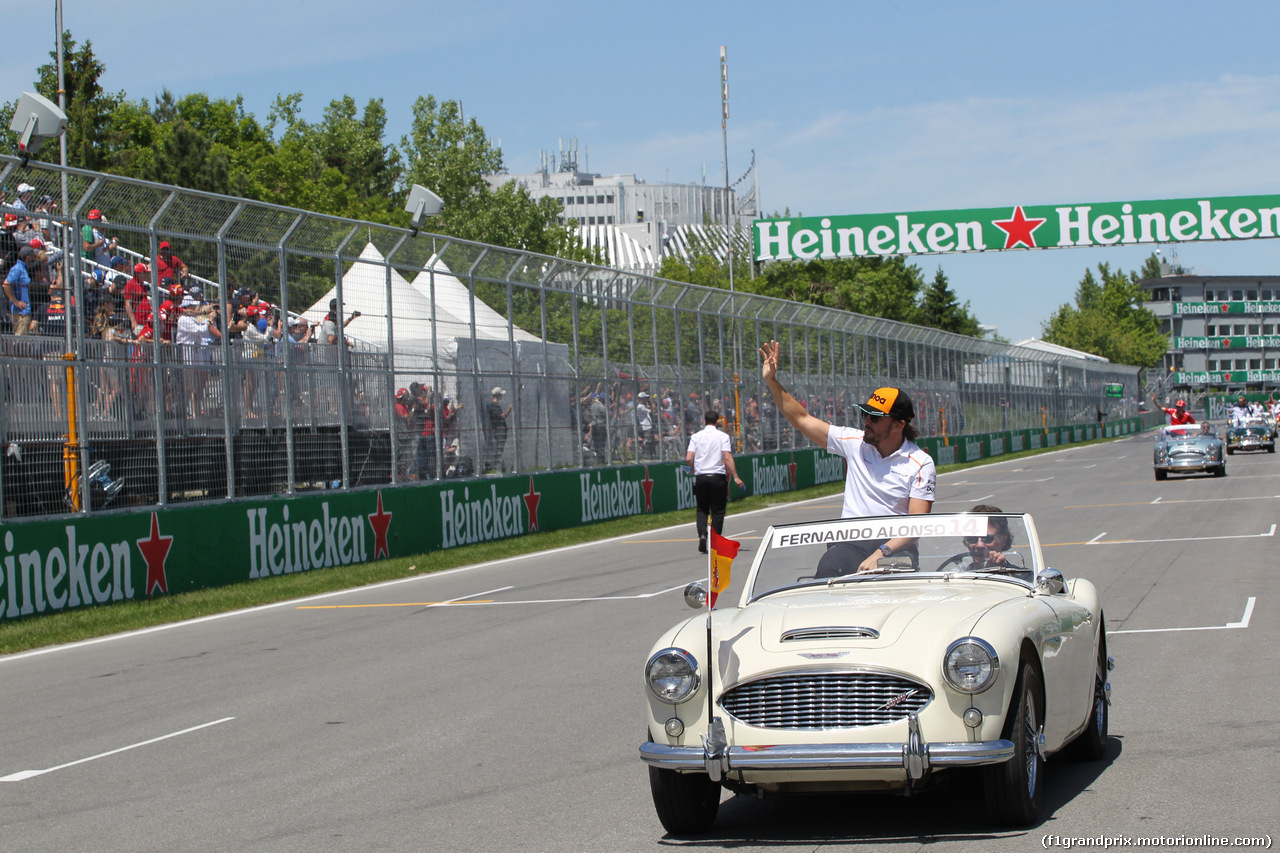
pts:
[1117, 223]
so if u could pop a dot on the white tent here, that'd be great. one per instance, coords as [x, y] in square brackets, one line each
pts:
[454, 298]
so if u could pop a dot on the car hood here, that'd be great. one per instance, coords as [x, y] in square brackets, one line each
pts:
[881, 610]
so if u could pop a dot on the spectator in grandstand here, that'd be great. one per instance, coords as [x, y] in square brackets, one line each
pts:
[426, 454]
[17, 286]
[170, 311]
[693, 414]
[169, 264]
[300, 330]
[94, 245]
[137, 302]
[597, 430]
[644, 421]
[25, 193]
[8, 243]
[52, 318]
[406, 445]
[329, 326]
[496, 436]
[197, 330]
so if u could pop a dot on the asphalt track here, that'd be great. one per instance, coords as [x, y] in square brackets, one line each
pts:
[498, 706]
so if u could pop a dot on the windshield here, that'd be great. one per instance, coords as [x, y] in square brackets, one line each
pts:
[831, 551]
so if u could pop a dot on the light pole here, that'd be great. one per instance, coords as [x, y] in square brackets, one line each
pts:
[728, 233]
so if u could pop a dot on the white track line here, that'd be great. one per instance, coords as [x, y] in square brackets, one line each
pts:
[1243, 623]
[23, 775]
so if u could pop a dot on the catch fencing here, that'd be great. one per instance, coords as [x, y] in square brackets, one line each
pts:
[449, 358]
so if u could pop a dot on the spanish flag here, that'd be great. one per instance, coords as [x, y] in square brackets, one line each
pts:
[722, 553]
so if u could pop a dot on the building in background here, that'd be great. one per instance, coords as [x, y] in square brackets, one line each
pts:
[1224, 333]
[635, 223]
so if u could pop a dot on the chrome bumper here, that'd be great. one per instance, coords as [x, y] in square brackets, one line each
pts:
[915, 757]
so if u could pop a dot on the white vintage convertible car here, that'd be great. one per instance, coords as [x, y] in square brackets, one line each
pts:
[961, 651]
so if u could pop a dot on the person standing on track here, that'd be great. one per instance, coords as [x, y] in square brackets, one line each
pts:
[710, 457]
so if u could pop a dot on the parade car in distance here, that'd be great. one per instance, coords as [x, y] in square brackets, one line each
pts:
[1254, 435]
[886, 680]
[1188, 449]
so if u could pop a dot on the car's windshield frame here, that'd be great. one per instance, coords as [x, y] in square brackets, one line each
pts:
[944, 532]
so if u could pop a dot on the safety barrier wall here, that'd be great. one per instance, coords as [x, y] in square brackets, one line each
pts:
[56, 565]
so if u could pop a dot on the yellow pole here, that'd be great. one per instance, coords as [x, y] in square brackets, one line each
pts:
[71, 449]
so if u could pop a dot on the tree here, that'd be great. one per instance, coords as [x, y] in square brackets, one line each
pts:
[1108, 319]
[940, 309]
[451, 156]
[88, 107]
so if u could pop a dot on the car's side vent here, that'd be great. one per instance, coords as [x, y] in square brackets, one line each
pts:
[837, 632]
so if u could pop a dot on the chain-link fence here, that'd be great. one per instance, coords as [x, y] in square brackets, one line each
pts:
[177, 347]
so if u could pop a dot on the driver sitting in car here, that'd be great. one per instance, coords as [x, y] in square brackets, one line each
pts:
[990, 553]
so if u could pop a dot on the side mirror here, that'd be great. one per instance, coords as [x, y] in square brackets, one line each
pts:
[1050, 582]
[695, 595]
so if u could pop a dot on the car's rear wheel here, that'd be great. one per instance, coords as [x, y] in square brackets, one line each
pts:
[1091, 743]
[1162, 474]
[1230, 452]
[1014, 787]
[686, 802]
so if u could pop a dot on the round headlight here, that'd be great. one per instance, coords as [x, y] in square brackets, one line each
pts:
[970, 665]
[672, 674]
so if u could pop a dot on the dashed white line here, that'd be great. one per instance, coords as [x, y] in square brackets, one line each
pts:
[1096, 538]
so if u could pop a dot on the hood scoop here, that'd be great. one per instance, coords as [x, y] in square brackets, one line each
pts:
[837, 632]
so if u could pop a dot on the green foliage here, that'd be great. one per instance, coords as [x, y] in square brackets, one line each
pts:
[88, 107]
[1108, 319]
[940, 309]
[887, 287]
[340, 165]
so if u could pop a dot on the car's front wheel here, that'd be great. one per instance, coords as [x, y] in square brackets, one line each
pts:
[686, 802]
[1161, 474]
[1220, 470]
[1013, 788]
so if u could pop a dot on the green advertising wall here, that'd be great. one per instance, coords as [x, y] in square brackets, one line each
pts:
[51, 566]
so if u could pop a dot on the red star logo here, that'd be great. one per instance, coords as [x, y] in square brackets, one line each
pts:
[647, 485]
[1019, 229]
[155, 550]
[380, 521]
[792, 468]
[531, 504]
[1225, 308]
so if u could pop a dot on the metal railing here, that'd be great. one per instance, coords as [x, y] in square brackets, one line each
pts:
[182, 423]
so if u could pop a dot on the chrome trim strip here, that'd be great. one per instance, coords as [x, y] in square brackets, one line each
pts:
[836, 756]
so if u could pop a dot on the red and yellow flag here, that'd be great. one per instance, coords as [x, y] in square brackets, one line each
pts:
[722, 553]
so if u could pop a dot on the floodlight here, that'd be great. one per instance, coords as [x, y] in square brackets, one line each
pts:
[422, 203]
[36, 119]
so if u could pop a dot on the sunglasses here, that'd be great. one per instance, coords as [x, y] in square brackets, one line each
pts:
[875, 419]
[985, 540]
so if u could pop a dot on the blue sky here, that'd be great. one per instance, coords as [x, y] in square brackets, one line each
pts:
[850, 107]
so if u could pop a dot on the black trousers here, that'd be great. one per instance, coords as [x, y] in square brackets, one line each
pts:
[711, 491]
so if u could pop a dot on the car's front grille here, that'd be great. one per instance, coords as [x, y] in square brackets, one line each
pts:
[839, 700]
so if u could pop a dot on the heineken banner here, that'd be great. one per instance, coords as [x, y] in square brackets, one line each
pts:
[1225, 377]
[64, 564]
[1229, 342]
[1183, 309]
[1119, 223]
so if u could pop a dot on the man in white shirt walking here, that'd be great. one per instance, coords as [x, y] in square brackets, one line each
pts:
[710, 457]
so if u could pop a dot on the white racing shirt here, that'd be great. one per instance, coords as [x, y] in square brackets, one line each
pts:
[881, 486]
[708, 445]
